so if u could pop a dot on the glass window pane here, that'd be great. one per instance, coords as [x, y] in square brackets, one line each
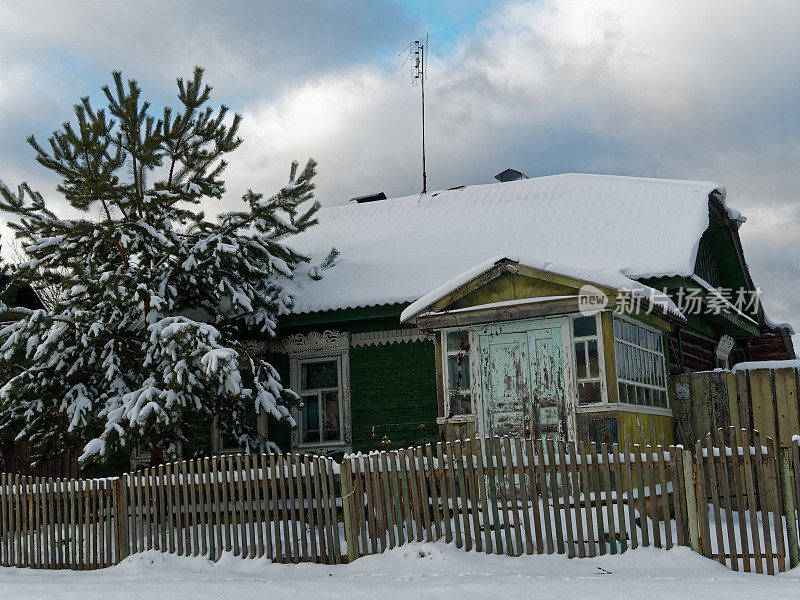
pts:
[633, 394]
[310, 418]
[584, 326]
[580, 359]
[639, 367]
[320, 375]
[460, 404]
[458, 371]
[642, 337]
[330, 417]
[623, 393]
[626, 362]
[589, 393]
[631, 364]
[458, 341]
[617, 329]
[594, 360]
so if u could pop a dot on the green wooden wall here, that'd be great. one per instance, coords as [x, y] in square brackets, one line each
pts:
[393, 390]
[392, 394]
[392, 386]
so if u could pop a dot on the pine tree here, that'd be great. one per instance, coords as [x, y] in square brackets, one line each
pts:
[4, 280]
[147, 332]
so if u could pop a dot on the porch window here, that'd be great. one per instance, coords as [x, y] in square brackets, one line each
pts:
[586, 345]
[321, 393]
[641, 371]
[458, 380]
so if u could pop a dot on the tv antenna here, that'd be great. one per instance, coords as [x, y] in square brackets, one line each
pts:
[416, 51]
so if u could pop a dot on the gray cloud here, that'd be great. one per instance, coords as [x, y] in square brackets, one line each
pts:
[680, 89]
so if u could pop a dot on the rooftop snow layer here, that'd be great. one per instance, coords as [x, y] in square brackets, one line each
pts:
[397, 250]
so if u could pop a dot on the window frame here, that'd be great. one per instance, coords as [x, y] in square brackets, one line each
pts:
[601, 363]
[301, 392]
[218, 446]
[471, 416]
[323, 345]
[663, 354]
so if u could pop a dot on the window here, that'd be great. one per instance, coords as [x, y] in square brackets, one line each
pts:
[321, 393]
[641, 371]
[458, 380]
[587, 359]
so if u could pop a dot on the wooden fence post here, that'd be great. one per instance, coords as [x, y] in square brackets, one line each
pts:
[690, 495]
[347, 499]
[121, 546]
[787, 493]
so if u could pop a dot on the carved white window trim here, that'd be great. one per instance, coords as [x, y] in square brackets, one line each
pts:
[391, 336]
[326, 344]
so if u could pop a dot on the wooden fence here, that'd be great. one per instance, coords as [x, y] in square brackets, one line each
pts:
[515, 496]
[281, 506]
[731, 498]
[754, 399]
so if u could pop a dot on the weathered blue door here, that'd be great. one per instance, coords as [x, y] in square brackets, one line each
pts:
[522, 379]
[547, 369]
[506, 381]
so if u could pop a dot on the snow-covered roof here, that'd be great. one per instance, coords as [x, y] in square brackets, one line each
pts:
[397, 250]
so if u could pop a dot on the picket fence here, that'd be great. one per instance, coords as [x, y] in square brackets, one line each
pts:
[731, 499]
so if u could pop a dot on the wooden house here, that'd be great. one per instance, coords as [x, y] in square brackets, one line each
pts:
[508, 308]
[555, 307]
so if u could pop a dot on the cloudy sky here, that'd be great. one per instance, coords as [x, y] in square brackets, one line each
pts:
[680, 89]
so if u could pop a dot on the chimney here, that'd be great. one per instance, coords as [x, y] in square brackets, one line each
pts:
[510, 175]
[369, 198]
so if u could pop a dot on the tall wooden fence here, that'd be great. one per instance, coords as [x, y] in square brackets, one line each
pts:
[754, 399]
[730, 498]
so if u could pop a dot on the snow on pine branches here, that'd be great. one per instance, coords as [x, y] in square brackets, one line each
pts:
[146, 332]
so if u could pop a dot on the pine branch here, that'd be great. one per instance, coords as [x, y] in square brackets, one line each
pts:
[118, 361]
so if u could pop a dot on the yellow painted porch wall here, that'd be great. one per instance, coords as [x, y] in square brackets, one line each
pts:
[640, 428]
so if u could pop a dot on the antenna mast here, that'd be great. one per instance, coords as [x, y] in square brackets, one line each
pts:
[419, 74]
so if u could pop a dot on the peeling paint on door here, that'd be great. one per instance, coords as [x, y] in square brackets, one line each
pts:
[522, 374]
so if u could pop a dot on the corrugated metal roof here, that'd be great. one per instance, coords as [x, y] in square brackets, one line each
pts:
[396, 250]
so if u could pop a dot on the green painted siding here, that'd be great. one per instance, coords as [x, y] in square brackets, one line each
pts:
[393, 389]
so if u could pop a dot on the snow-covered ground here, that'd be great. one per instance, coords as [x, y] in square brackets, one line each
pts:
[412, 571]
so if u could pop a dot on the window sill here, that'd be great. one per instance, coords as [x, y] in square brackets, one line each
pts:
[322, 447]
[456, 419]
[622, 407]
